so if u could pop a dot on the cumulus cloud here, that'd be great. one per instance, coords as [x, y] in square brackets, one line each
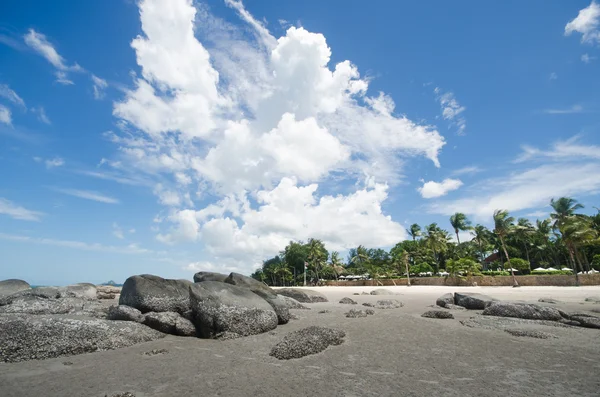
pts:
[452, 110]
[5, 115]
[586, 58]
[215, 113]
[587, 23]
[40, 44]
[7, 93]
[433, 189]
[16, 211]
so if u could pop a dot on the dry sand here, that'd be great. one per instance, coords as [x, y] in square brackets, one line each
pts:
[392, 353]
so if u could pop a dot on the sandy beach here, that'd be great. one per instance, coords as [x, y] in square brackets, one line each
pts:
[393, 352]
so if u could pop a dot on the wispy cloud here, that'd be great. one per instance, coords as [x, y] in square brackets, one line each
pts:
[451, 109]
[467, 170]
[5, 115]
[128, 249]
[553, 76]
[99, 86]
[570, 110]
[39, 43]
[41, 114]
[117, 231]
[586, 58]
[88, 195]
[124, 180]
[55, 162]
[7, 93]
[570, 149]
[15, 211]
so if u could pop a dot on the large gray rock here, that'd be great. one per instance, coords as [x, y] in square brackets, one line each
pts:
[382, 291]
[125, 313]
[33, 304]
[437, 314]
[81, 290]
[586, 321]
[311, 340]
[42, 292]
[149, 293]
[277, 302]
[472, 301]
[220, 307]
[25, 337]
[302, 295]
[170, 323]
[444, 300]
[293, 303]
[209, 276]
[11, 286]
[522, 310]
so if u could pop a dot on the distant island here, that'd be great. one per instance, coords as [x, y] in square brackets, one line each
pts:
[112, 283]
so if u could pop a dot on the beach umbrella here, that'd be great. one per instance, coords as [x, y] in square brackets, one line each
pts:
[566, 268]
[551, 269]
[593, 271]
[510, 269]
[539, 269]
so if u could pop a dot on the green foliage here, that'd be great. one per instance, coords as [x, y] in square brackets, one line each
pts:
[596, 262]
[463, 266]
[517, 263]
[421, 268]
[551, 272]
[495, 273]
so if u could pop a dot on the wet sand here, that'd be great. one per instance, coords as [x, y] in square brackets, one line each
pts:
[394, 352]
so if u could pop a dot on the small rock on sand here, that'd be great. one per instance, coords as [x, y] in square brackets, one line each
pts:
[472, 301]
[382, 291]
[548, 300]
[389, 304]
[370, 312]
[324, 311]
[444, 300]
[155, 352]
[347, 301]
[530, 333]
[368, 304]
[437, 314]
[311, 340]
[593, 299]
[354, 313]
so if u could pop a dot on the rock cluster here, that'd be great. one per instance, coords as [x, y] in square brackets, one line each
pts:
[437, 314]
[311, 340]
[348, 301]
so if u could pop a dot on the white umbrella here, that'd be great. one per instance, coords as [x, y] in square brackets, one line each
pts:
[539, 269]
[551, 269]
[566, 268]
[511, 269]
[444, 274]
[593, 271]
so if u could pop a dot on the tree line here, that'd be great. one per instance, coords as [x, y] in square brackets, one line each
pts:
[566, 238]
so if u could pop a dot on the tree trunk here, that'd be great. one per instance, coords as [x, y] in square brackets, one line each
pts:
[407, 274]
[570, 249]
[457, 238]
[515, 283]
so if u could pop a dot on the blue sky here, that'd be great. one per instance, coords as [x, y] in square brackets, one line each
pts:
[168, 137]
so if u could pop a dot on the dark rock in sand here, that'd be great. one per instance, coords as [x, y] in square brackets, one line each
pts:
[170, 323]
[382, 291]
[370, 312]
[355, 313]
[389, 304]
[126, 394]
[593, 299]
[549, 300]
[125, 313]
[522, 310]
[444, 300]
[347, 301]
[303, 295]
[368, 304]
[149, 293]
[155, 352]
[11, 286]
[209, 276]
[81, 290]
[293, 303]
[277, 302]
[356, 293]
[311, 340]
[365, 293]
[437, 314]
[324, 311]
[25, 337]
[586, 321]
[219, 307]
[472, 301]
[530, 333]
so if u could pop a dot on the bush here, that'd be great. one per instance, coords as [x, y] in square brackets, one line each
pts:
[520, 264]
[463, 265]
[495, 273]
[596, 262]
[551, 273]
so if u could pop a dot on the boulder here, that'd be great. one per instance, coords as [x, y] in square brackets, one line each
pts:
[81, 290]
[221, 307]
[347, 301]
[586, 321]
[170, 323]
[368, 304]
[42, 292]
[277, 302]
[388, 304]
[454, 307]
[437, 314]
[125, 313]
[25, 337]
[370, 312]
[302, 295]
[209, 276]
[446, 299]
[382, 291]
[149, 293]
[33, 304]
[307, 341]
[11, 286]
[472, 301]
[354, 313]
[522, 310]
[293, 303]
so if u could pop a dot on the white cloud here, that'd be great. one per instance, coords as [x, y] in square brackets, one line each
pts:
[569, 149]
[5, 115]
[570, 110]
[55, 162]
[538, 214]
[117, 231]
[586, 58]
[467, 170]
[553, 76]
[433, 189]
[245, 119]
[587, 23]
[128, 249]
[15, 211]
[41, 113]
[452, 110]
[7, 93]
[88, 195]
[99, 86]
[39, 43]
[525, 189]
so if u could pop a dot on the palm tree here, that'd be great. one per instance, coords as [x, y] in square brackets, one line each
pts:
[459, 221]
[414, 231]
[437, 241]
[564, 207]
[503, 225]
[523, 232]
[577, 231]
[361, 256]
[336, 264]
[317, 255]
[481, 236]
